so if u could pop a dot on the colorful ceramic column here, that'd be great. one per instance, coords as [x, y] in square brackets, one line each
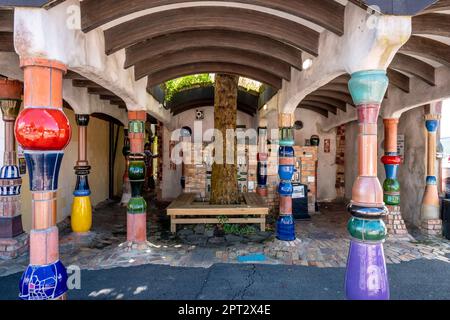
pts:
[81, 219]
[137, 207]
[286, 168]
[366, 276]
[391, 187]
[262, 158]
[43, 131]
[10, 180]
[391, 161]
[431, 224]
[126, 188]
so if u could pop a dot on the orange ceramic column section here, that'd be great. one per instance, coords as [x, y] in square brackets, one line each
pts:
[43, 131]
[137, 207]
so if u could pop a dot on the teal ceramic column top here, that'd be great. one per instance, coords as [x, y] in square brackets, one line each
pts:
[368, 86]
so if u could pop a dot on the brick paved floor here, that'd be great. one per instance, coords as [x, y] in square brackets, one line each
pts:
[322, 242]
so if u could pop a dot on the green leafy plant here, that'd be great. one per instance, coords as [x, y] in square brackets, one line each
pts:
[174, 86]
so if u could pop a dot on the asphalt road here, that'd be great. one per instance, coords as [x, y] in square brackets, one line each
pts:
[416, 280]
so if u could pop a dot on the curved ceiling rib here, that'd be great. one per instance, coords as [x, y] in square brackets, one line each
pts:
[6, 31]
[441, 5]
[399, 80]
[326, 13]
[416, 67]
[235, 56]
[330, 101]
[437, 24]
[174, 42]
[204, 96]
[428, 48]
[320, 105]
[335, 95]
[209, 67]
[207, 18]
[311, 108]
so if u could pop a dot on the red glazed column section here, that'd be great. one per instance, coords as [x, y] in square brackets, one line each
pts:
[43, 131]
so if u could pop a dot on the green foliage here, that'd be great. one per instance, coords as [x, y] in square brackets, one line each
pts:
[236, 229]
[176, 85]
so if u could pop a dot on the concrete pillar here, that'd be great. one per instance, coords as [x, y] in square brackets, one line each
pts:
[137, 207]
[262, 158]
[12, 239]
[391, 187]
[126, 187]
[431, 224]
[366, 275]
[81, 219]
[286, 167]
[43, 131]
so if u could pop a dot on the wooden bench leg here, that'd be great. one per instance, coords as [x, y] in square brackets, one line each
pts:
[263, 224]
[173, 225]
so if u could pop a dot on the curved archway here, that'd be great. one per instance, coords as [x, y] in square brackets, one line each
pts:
[338, 104]
[199, 55]
[326, 13]
[213, 67]
[188, 40]
[204, 96]
[207, 18]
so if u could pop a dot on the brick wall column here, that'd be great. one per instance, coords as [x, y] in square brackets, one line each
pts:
[366, 275]
[137, 207]
[431, 224]
[81, 219]
[12, 239]
[391, 187]
[286, 168]
[43, 131]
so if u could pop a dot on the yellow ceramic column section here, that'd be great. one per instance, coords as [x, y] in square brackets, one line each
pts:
[81, 220]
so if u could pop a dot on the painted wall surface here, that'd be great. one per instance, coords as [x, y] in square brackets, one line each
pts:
[411, 172]
[171, 187]
[326, 174]
[97, 154]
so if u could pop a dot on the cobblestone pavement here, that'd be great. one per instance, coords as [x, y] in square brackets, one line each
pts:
[322, 242]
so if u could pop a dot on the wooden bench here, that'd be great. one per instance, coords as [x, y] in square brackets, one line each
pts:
[184, 210]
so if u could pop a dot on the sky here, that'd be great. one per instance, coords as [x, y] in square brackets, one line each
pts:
[445, 121]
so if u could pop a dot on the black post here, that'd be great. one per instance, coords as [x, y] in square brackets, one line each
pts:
[111, 161]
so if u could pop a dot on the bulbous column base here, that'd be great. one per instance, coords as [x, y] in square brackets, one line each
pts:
[366, 276]
[286, 228]
[430, 209]
[81, 220]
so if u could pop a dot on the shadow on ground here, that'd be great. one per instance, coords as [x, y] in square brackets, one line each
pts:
[415, 280]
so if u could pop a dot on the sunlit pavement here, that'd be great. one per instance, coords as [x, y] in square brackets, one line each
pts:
[415, 280]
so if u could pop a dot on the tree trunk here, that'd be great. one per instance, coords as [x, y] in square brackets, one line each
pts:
[224, 186]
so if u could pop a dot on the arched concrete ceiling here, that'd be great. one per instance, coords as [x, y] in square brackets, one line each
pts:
[213, 67]
[273, 66]
[210, 18]
[326, 13]
[204, 96]
[200, 39]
